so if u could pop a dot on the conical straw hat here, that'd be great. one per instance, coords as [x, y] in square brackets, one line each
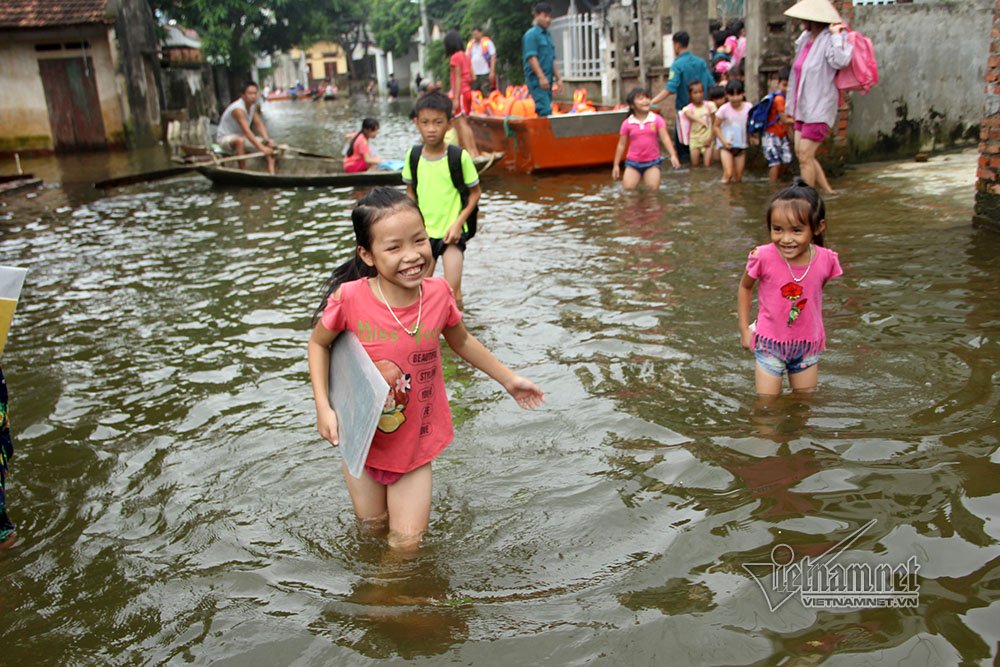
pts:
[819, 11]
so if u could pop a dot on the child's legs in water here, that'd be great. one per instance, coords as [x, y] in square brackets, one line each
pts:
[709, 154]
[454, 260]
[369, 500]
[696, 156]
[651, 177]
[739, 161]
[403, 507]
[631, 178]
[767, 384]
[804, 382]
[409, 506]
[727, 165]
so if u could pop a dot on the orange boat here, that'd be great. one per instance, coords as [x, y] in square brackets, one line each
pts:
[563, 141]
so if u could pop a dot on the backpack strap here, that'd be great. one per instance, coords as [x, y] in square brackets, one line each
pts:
[415, 152]
[455, 168]
[458, 180]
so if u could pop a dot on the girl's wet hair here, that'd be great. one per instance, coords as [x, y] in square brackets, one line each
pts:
[804, 204]
[636, 92]
[692, 85]
[369, 124]
[734, 87]
[371, 208]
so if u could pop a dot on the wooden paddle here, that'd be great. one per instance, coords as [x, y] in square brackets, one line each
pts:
[304, 153]
[160, 174]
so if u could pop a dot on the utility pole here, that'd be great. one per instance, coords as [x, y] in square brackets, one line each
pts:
[424, 39]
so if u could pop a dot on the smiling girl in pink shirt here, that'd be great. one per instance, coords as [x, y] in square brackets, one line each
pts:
[399, 313]
[788, 335]
[641, 132]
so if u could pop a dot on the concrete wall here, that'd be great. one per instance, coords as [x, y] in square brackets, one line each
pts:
[932, 60]
[24, 116]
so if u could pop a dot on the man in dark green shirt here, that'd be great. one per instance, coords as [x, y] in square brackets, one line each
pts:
[687, 67]
[539, 54]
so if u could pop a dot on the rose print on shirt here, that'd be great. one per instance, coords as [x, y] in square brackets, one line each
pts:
[792, 291]
[397, 398]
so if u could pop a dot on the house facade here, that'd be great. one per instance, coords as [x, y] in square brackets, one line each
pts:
[86, 75]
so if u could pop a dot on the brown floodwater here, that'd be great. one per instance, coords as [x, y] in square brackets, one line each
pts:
[175, 504]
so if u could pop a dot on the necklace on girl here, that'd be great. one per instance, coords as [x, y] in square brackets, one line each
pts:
[420, 307]
[812, 255]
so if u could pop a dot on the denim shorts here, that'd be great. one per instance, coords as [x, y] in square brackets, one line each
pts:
[641, 167]
[777, 364]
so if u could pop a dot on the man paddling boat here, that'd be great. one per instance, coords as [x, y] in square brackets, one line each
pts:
[235, 131]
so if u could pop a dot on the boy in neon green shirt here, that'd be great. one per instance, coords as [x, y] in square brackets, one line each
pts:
[439, 200]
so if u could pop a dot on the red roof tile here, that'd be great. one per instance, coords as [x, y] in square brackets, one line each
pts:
[52, 13]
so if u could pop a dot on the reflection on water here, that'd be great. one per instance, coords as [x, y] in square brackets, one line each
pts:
[175, 504]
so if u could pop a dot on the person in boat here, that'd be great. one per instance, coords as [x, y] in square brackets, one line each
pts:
[483, 54]
[359, 156]
[539, 53]
[236, 128]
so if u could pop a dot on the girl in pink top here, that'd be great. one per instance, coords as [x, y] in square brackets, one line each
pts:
[788, 335]
[359, 156]
[642, 132]
[398, 312]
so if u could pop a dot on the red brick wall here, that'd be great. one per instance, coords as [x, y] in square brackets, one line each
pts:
[988, 173]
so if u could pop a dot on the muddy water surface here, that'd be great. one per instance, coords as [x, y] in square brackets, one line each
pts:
[175, 504]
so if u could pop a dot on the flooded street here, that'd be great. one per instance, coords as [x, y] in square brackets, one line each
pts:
[175, 504]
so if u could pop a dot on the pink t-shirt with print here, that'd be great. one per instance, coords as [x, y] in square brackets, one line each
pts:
[416, 421]
[643, 138]
[790, 312]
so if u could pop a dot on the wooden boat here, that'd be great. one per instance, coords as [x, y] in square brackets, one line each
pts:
[566, 141]
[11, 183]
[296, 170]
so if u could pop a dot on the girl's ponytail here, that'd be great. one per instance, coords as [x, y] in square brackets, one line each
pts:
[369, 124]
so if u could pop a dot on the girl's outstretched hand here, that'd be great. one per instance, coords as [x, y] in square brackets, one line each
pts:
[525, 392]
[326, 423]
[675, 162]
[746, 339]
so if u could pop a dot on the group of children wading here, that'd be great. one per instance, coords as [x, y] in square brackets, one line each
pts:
[387, 295]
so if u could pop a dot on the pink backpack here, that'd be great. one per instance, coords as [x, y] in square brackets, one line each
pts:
[862, 72]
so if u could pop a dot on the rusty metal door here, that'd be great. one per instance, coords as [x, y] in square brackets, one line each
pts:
[74, 107]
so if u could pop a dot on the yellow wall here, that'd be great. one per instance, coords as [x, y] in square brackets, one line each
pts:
[24, 116]
[317, 61]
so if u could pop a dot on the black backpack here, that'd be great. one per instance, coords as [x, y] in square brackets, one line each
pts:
[455, 168]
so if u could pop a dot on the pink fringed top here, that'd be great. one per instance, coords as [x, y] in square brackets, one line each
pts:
[790, 306]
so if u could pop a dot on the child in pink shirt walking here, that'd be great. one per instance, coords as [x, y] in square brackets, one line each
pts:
[788, 335]
[641, 132]
[399, 313]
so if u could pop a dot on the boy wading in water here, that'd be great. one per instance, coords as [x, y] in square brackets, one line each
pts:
[432, 186]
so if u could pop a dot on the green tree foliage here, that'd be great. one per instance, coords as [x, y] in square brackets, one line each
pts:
[235, 31]
[505, 21]
[393, 23]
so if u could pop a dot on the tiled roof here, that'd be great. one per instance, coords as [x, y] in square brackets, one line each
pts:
[52, 13]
